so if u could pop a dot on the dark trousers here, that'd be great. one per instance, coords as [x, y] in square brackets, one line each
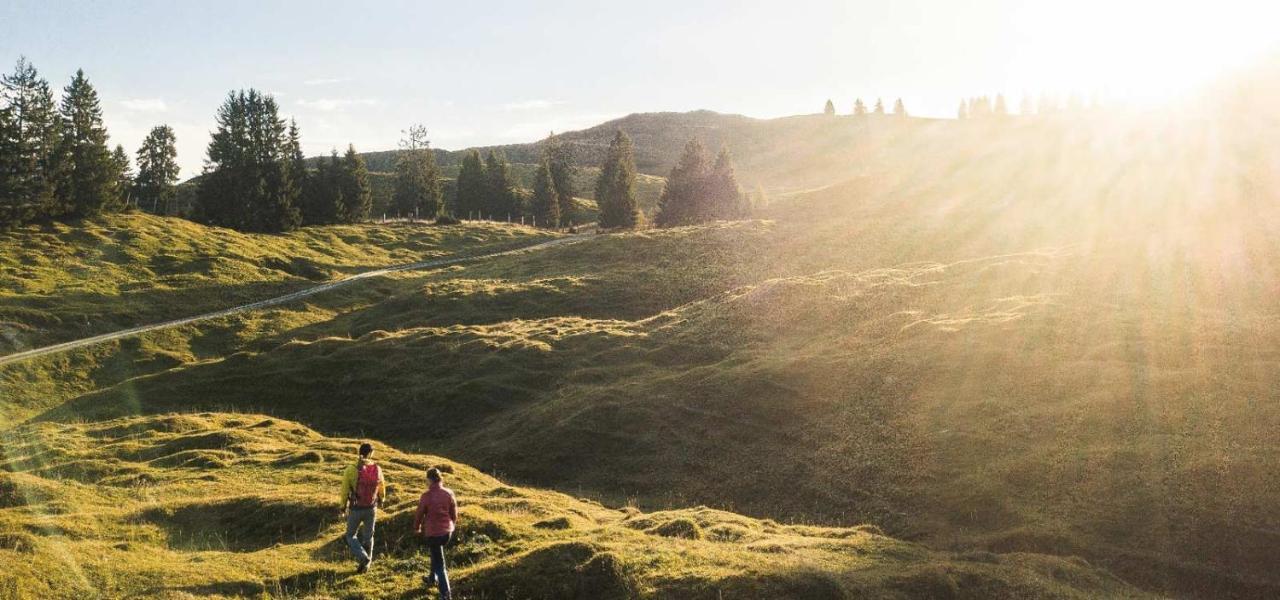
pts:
[439, 574]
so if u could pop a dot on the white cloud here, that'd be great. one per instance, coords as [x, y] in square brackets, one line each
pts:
[333, 104]
[326, 81]
[535, 104]
[145, 104]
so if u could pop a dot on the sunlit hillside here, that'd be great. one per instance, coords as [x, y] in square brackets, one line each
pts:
[1054, 335]
[239, 505]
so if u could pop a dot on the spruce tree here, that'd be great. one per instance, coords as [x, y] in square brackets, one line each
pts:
[330, 205]
[354, 181]
[563, 170]
[29, 152]
[499, 191]
[724, 198]
[157, 170]
[829, 109]
[300, 175]
[899, 110]
[859, 108]
[879, 110]
[247, 183]
[615, 193]
[545, 204]
[417, 179]
[684, 198]
[123, 170]
[471, 187]
[88, 182]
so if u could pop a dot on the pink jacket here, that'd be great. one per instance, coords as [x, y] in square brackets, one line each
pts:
[437, 512]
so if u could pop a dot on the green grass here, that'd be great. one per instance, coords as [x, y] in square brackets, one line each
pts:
[66, 281]
[241, 505]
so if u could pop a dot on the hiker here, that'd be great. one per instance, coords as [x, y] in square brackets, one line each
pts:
[437, 514]
[362, 489]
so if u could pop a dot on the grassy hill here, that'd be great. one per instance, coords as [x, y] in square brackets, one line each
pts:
[240, 505]
[1053, 335]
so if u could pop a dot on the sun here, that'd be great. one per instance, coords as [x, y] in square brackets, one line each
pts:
[1136, 51]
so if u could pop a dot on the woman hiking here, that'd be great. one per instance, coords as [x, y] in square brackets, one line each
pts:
[437, 514]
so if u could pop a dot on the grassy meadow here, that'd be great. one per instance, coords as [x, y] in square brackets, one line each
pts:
[1010, 342]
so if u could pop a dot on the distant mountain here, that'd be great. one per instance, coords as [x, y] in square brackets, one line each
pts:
[783, 153]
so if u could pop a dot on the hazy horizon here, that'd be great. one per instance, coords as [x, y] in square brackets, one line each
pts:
[515, 73]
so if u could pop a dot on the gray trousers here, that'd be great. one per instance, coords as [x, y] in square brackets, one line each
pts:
[360, 533]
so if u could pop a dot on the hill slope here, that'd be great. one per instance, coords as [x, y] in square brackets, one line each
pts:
[237, 505]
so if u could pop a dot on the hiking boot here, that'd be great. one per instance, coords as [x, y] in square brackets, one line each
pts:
[362, 568]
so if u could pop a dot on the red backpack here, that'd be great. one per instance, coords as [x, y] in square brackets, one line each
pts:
[366, 493]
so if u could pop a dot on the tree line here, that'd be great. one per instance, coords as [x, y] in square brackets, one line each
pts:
[860, 108]
[55, 160]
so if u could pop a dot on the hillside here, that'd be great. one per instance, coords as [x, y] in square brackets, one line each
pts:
[240, 505]
[1053, 335]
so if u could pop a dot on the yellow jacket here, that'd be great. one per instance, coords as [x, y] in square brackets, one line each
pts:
[349, 482]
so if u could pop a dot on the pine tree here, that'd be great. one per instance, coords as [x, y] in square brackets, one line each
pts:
[123, 170]
[879, 110]
[330, 205]
[499, 191]
[247, 183]
[417, 180]
[157, 170]
[615, 193]
[684, 197]
[88, 183]
[545, 204]
[471, 187]
[899, 110]
[29, 152]
[724, 198]
[829, 109]
[859, 108]
[354, 181]
[963, 112]
[560, 160]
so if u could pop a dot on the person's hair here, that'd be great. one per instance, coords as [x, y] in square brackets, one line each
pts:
[366, 449]
[433, 474]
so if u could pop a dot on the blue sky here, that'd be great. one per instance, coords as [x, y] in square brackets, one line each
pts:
[495, 72]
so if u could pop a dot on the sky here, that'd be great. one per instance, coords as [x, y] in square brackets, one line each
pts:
[478, 73]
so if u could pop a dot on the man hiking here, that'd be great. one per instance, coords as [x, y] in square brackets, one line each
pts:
[435, 519]
[362, 489]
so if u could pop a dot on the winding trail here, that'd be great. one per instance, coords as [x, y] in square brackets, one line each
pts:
[290, 297]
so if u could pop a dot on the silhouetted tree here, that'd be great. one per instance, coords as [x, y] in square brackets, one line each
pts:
[417, 179]
[123, 171]
[829, 109]
[683, 198]
[545, 205]
[246, 183]
[560, 160]
[470, 198]
[615, 193]
[325, 203]
[899, 109]
[354, 179]
[723, 198]
[500, 191]
[32, 133]
[157, 170]
[879, 110]
[859, 108]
